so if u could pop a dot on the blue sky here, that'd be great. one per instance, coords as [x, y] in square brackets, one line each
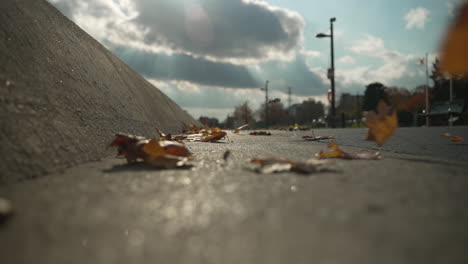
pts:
[211, 55]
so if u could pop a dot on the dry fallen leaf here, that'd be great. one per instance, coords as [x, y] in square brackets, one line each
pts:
[381, 124]
[272, 165]
[167, 161]
[164, 154]
[260, 133]
[338, 153]
[454, 53]
[129, 146]
[237, 130]
[214, 136]
[455, 139]
[314, 138]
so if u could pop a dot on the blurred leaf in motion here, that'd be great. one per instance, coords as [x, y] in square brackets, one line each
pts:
[237, 130]
[455, 139]
[6, 210]
[381, 123]
[454, 53]
[272, 101]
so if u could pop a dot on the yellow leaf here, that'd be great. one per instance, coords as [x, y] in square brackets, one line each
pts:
[454, 53]
[381, 124]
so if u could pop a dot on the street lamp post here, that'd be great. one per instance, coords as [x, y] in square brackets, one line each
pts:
[266, 102]
[331, 72]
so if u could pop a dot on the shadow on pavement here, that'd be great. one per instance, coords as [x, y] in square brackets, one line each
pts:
[139, 166]
[430, 161]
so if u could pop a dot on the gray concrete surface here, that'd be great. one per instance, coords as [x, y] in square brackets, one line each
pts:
[412, 140]
[405, 208]
[63, 95]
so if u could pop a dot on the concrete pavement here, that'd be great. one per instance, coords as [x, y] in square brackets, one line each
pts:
[404, 208]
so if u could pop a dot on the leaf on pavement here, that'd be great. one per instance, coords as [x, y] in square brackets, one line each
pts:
[336, 152]
[163, 136]
[260, 133]
[317, 138]
[165, 154]
[454, 53]
[167, 161]
[237, 130]
[455, 139]
[273, 165]
[214, 136]
[381, 124]
[129, 146]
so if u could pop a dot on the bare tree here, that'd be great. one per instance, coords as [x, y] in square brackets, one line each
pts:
[243, 113]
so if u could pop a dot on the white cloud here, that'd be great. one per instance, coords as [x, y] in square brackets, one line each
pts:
[395, 64]
[346, 60]
[310, 53]
[417, 18]
[219, 31]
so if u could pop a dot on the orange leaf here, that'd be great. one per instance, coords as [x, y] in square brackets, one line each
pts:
[454, 54]
[381, 124]
[237, 130]
[455, 139]
[215, 136]
[158, 148]
[338, 153]
[331, 154]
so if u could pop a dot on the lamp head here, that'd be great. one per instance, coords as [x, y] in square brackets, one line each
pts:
[322, 35]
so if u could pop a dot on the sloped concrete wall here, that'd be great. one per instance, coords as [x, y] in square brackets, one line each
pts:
[63, 95]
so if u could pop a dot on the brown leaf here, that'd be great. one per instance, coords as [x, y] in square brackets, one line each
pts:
[215, 136]
[454, 54]
[340, 154]
[272, 165]
[237, 130]
[455, 139]
[260, 133]
[129, 146]
[381, 124]
[156, 148]
[314, 138]
[166, 161]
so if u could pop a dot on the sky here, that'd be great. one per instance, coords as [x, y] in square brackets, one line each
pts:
[211, 55]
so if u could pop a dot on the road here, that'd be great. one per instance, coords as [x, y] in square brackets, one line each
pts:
[408, 207]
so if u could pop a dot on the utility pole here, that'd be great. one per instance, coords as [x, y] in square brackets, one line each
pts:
[331, 71]
[332, 75]
[427, 89]
[266, 102]
[451, 100]
[289, 105]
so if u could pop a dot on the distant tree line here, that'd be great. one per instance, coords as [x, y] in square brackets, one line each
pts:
[409, 104]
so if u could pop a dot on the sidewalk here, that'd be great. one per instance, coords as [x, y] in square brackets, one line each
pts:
[401, 209]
